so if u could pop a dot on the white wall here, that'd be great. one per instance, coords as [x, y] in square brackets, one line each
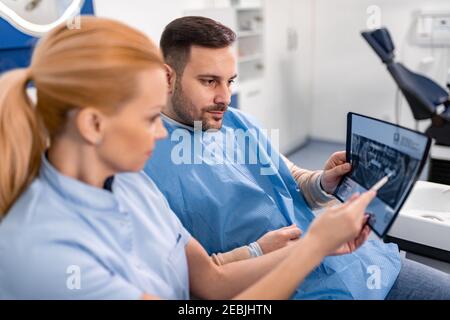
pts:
[150, 16]
[348, 76]
[308, 91]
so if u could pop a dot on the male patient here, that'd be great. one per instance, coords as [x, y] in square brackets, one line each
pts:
[229, 186]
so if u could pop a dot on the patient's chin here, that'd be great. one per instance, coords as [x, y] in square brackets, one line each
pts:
[213, 125]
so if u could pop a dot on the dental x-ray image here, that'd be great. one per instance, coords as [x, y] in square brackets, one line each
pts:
[372, 161]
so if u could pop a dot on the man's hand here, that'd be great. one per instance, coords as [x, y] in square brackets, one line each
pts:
[278, 239]
[335, 168]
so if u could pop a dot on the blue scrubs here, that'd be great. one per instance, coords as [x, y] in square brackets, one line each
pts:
[227, 203]
[67, 240]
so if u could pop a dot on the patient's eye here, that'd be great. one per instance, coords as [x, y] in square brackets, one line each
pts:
[153, 119]
[208, 82]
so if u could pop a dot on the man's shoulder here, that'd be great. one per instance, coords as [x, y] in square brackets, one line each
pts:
[240, 119]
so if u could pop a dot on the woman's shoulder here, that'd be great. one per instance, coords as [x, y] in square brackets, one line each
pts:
[39, 214]
[35, 204]
[139, 182]
[40, 227]
[139, 189]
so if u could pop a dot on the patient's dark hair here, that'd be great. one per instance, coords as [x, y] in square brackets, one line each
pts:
[183, 33]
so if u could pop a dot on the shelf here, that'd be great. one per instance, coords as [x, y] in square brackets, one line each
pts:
[250, 23]
[249, 8]
[251, 33]
[250, 58]
[250, 84]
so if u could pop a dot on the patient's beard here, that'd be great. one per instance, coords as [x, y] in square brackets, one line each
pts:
[185, 110]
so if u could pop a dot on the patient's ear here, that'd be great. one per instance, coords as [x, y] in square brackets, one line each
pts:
[171, 78]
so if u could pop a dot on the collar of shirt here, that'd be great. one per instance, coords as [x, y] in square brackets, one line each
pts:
[75, 190]
[174, 123]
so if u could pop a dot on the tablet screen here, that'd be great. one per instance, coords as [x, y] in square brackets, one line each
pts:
[377, 149]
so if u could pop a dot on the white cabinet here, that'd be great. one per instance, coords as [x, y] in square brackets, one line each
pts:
[287, 80]
[250, 32]
[252, 101]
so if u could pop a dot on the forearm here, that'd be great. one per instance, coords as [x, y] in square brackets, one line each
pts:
[239, 254]
[309, 183]
[236, 277]
[281, 282]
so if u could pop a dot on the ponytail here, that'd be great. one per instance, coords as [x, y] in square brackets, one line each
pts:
[22, 138]
[96, 65]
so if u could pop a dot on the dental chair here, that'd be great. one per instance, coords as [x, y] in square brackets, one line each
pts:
[425, 97]
[423, 225]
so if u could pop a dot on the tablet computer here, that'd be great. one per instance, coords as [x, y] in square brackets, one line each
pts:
[382, 152]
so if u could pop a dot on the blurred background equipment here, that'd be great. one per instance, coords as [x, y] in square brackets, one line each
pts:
[426, 98]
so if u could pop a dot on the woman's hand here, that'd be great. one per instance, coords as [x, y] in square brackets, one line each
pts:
[354, 244]
[342, 229]
[280, 238]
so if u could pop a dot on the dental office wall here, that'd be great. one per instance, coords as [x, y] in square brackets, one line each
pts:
[348, 76]
[308, 88]
[282, 101]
